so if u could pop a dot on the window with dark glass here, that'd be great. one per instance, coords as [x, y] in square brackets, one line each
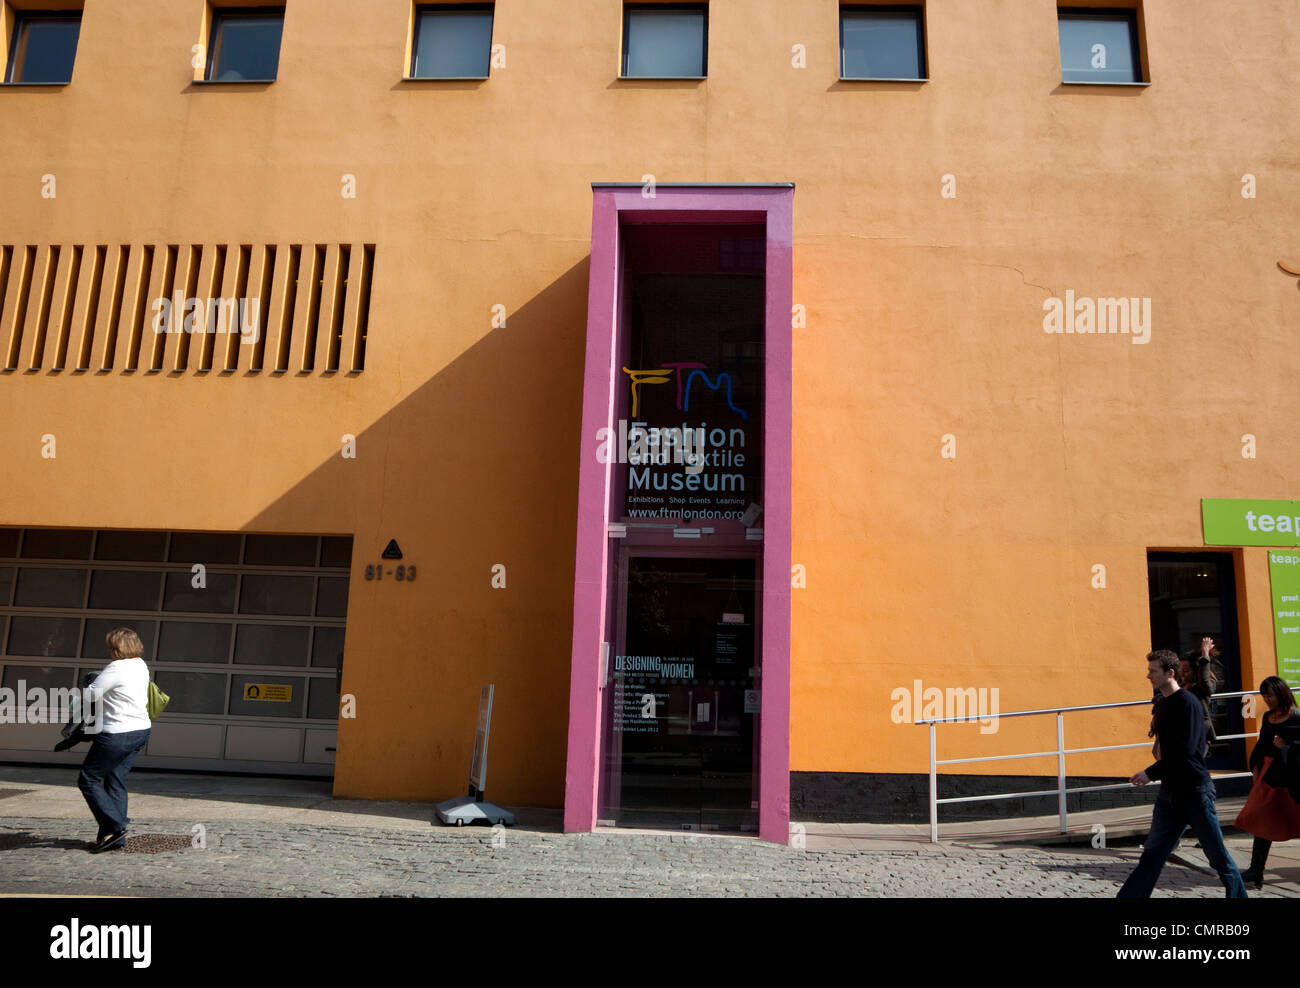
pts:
[94, 644]
[322, 699]
[44, 46]
[50, 588]
[42, 636]
[1099, 45]
[245, 44]
[327, 647]
[882, 42]
[452, 41]
[261, 594]
[131, 546]
[272, 644]
[130, 590]
[57, 543]
[194, 641]
[665, 41]
[193, 692]
[280, 550]
[204, 547]
[215, 594]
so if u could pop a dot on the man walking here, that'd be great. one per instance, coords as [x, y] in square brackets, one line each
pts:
[1186, 792]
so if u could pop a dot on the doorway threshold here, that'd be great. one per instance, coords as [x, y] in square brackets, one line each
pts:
[607, 828]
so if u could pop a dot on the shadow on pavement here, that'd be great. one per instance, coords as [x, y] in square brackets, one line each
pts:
[25, 838]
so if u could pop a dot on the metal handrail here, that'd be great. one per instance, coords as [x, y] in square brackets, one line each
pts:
[1060, 752]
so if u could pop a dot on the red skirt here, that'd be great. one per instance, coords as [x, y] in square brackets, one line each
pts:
[1269, 812]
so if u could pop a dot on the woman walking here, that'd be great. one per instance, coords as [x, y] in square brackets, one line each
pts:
[1270, 813]
[122, 690]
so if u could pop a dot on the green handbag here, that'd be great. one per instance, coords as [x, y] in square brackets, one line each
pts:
[157, 701]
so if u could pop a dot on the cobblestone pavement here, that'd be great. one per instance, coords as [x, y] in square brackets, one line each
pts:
[43, 856]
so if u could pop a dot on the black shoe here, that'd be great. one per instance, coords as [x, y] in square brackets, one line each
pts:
[75, 738]
[108, 843]
[1252, 877]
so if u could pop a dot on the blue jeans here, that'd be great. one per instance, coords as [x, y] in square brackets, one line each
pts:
[103, 777]
[1174, 812]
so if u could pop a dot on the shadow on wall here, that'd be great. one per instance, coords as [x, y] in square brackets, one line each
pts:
[477, 467]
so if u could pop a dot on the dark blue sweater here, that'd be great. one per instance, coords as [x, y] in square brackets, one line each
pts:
[1180, 726]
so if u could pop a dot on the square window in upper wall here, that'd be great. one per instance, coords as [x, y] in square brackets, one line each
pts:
[1099, 45]
[452, 41]
[882, 42]
[244, 44]
[43, 46]
[665, 41]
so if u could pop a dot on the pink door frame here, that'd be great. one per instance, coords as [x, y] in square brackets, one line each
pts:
[615, 204]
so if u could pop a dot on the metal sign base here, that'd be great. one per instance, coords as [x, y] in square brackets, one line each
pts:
[473, 807]
[467, 809]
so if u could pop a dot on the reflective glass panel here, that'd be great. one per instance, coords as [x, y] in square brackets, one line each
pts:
[664, 41]
[246, 47]
[453, 42]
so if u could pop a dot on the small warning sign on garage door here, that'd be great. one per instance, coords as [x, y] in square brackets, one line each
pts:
[271, 692]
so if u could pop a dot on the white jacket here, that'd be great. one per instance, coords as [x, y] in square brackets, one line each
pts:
[123, 691]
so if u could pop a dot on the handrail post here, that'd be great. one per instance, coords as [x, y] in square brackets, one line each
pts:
[934, 791]
[1060, 767]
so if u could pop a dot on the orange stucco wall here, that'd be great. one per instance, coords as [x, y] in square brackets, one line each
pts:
[924, 318]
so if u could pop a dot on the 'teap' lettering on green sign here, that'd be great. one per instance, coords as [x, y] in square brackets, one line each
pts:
[1237, 521]
[1284, 576]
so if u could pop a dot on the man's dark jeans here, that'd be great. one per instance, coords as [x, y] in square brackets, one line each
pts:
[1174, 812]
[103, 777]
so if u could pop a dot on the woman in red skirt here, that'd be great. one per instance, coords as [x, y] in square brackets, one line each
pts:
[1270, 813]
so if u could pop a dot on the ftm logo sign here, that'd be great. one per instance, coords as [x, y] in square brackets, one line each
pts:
[686, 373]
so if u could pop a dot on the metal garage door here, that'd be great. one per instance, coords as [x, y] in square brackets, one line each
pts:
[223, 616]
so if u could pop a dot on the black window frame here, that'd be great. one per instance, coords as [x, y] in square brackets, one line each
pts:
[219, 14]
[892, 8]
[425, 8]
[21, 18]
[1129, 14]
[702, 8]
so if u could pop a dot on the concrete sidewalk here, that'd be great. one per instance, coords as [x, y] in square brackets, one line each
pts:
[1120, 823]
[51, 791]
[1122, 826]
[254, 821]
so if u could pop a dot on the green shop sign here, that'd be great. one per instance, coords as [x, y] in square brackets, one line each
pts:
[1232, 521]
[1284, 576]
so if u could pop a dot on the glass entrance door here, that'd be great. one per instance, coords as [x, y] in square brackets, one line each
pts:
[683, 752]
[1193, 596]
